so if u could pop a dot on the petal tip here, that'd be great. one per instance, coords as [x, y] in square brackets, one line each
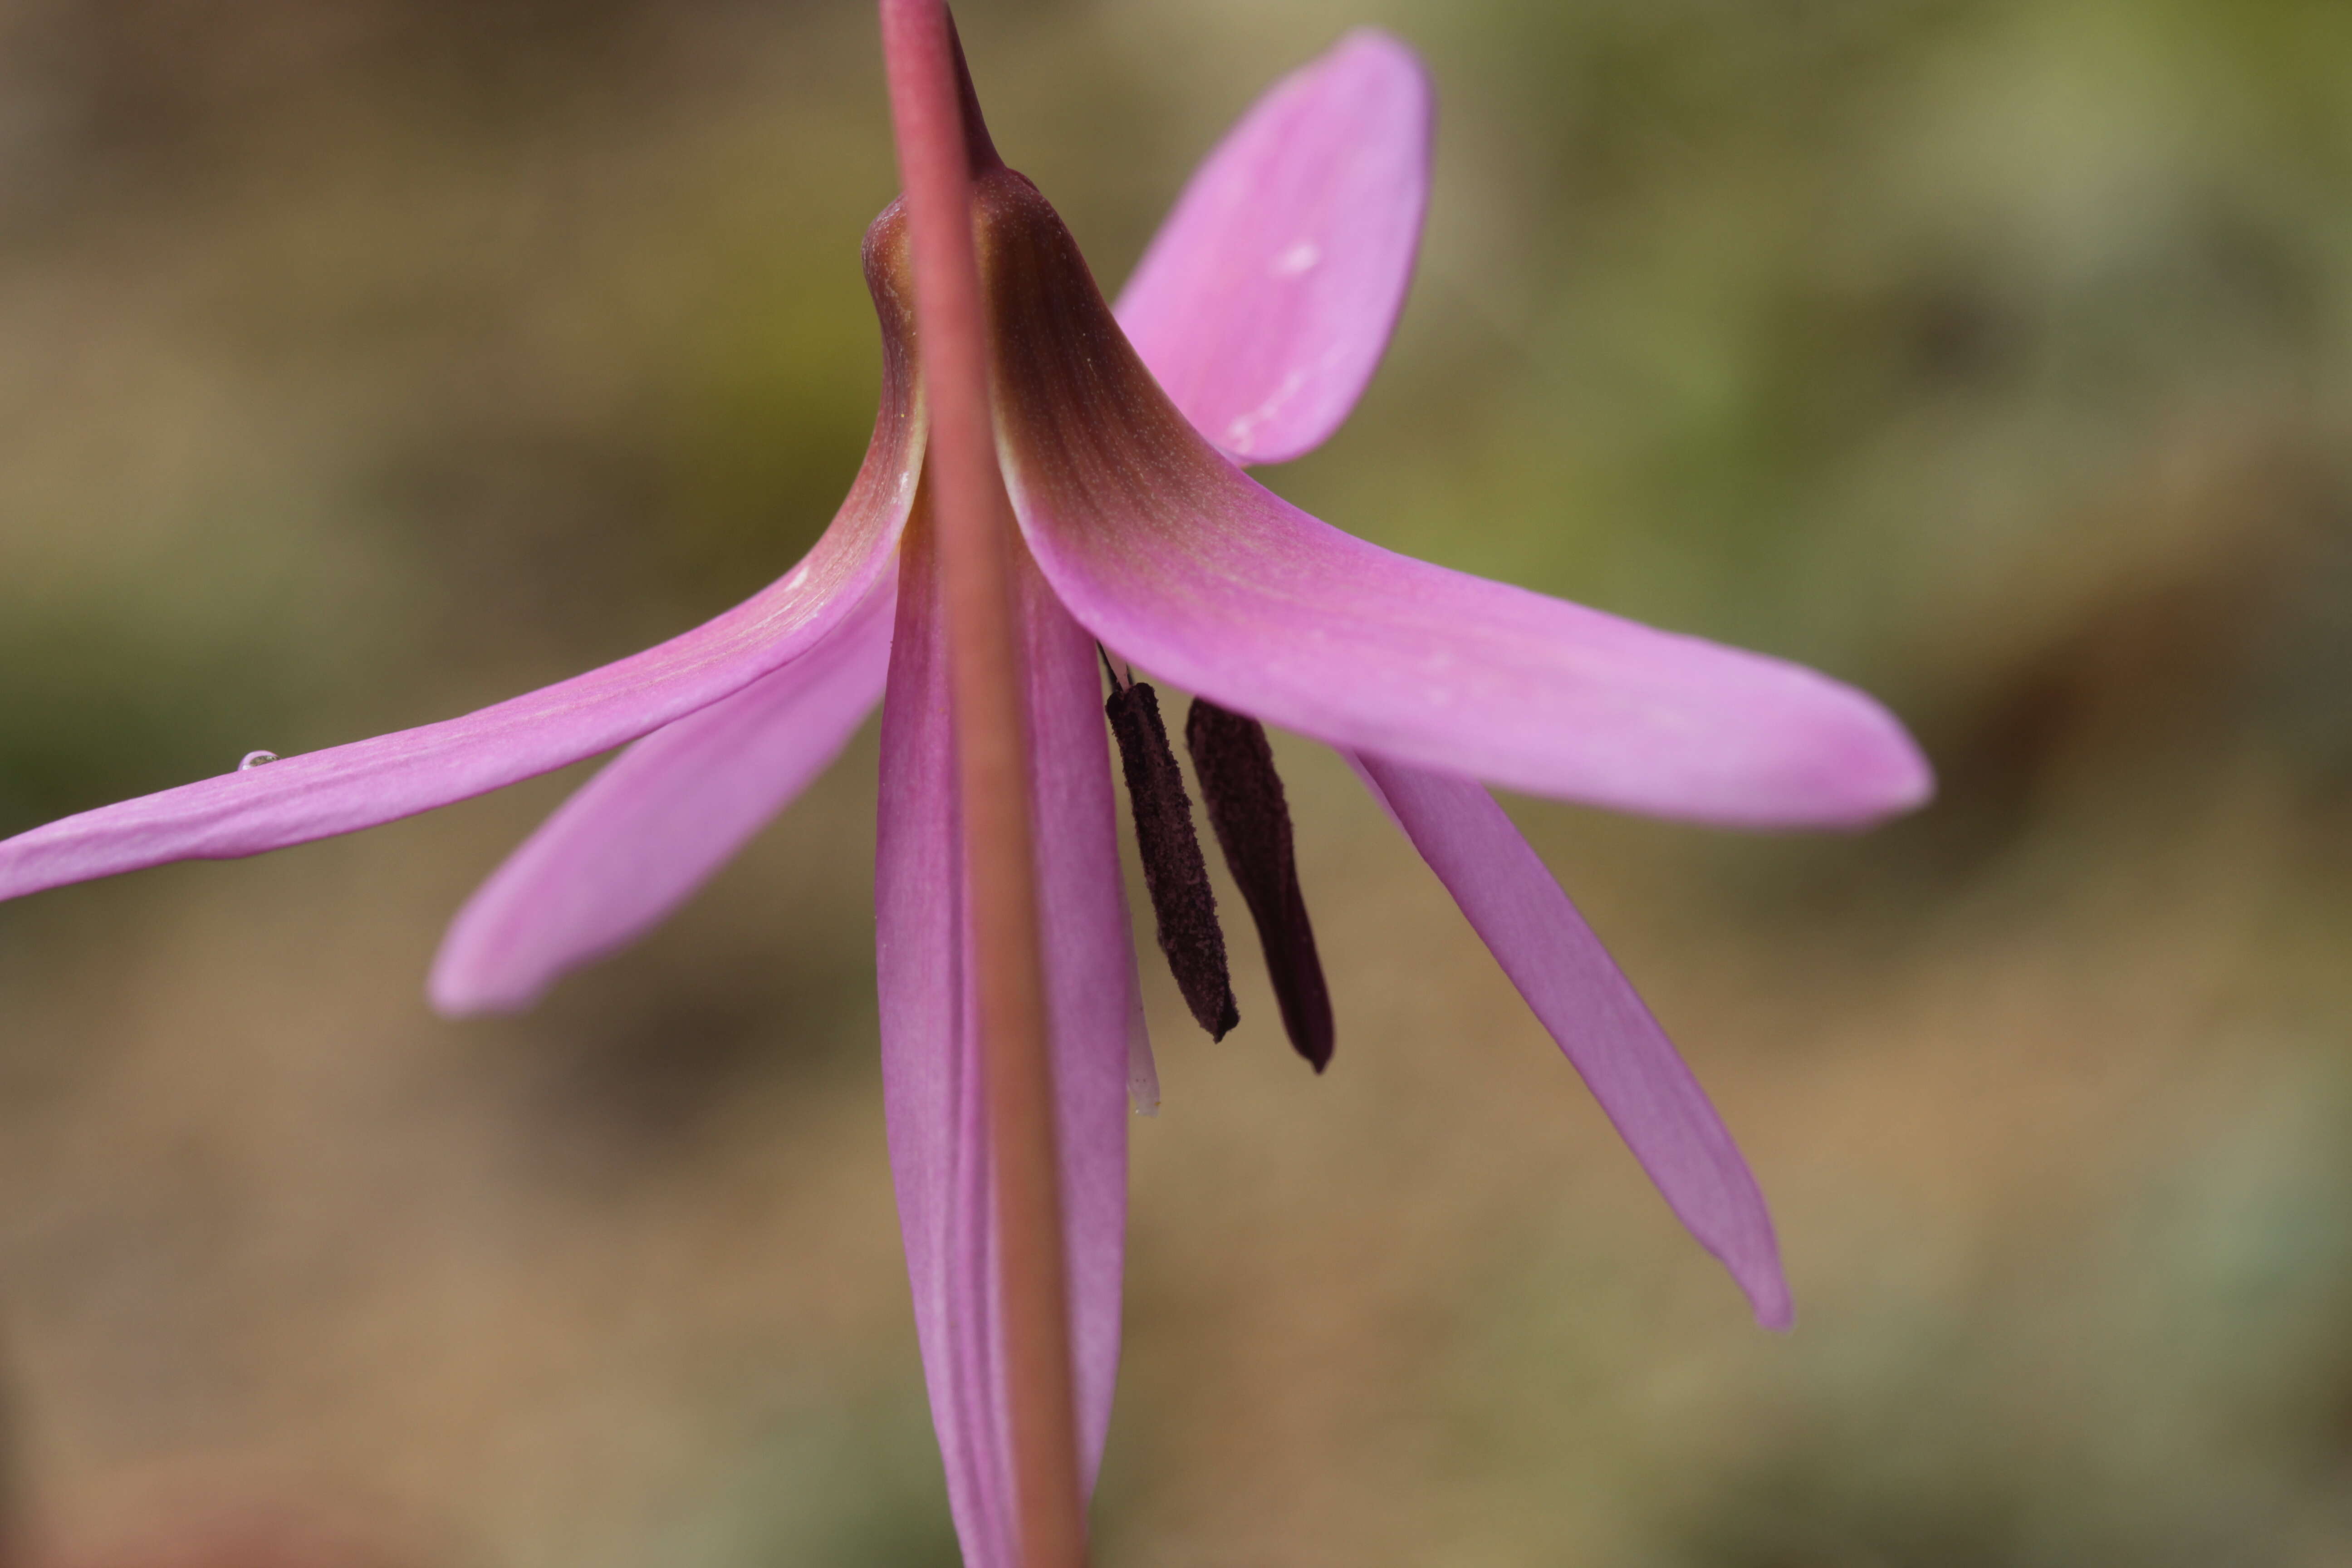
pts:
[1833, 757]
[1912, 785]
[1884, 772]
[1752, 1254]
[1377, 49]
[460, 987]
[1759, 1274]
[1774, 1310]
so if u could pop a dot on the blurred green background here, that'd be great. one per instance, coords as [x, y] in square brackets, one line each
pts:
[362, 361]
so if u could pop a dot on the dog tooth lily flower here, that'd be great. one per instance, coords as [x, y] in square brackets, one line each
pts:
[1247, 334]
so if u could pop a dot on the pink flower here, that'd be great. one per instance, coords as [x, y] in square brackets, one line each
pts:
[1246, 335]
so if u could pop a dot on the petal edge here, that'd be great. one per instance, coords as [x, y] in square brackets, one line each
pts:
[931, 1066]
[341, 789]
[1168, 553]
[1519, 909]
[639, 840]
[1266, 300]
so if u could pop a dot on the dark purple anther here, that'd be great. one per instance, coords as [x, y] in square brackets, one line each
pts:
[1247, 808]
[1173, 871]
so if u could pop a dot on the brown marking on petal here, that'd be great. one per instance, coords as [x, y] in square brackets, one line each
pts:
[1252, 818]
[1178, 878]
[891, 279]
[1077, 411]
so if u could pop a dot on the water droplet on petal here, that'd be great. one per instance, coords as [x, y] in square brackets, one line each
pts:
[255, 759]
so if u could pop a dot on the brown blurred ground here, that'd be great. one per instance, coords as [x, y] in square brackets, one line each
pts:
[361, 362]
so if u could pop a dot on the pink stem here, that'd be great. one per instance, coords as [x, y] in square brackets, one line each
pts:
[941, 144]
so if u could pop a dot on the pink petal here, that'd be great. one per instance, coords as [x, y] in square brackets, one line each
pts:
[931, 1063]
[1233, 593]
[341, 790]
[637, 840]
[1171, 555]
[1090, 977]
[1268, 296]
[932, 1072]
[1591, 1009]
[345, 788]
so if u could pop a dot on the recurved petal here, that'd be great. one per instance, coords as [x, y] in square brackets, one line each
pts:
[1250, 603]
[637, 840]
[930, 1047]
[1581, 995]
[322, 793]
[345, 788]
[1266, 300]
[1171, 555]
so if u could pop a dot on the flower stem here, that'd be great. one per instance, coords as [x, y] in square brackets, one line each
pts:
[940, 143]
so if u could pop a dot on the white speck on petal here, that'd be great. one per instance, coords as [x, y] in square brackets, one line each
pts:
[1298, 258]
[255, 759]
[1241, 435]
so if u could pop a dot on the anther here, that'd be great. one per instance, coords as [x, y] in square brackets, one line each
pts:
[1173, 871]
[1252, 818]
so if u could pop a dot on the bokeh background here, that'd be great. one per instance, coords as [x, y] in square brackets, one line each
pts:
[364, 361]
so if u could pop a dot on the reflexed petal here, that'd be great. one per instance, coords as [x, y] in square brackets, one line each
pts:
[1267, 297]
[930, 1050]
[320, 793]
[640, 837]
[1176, 559]
[1591, 1009]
